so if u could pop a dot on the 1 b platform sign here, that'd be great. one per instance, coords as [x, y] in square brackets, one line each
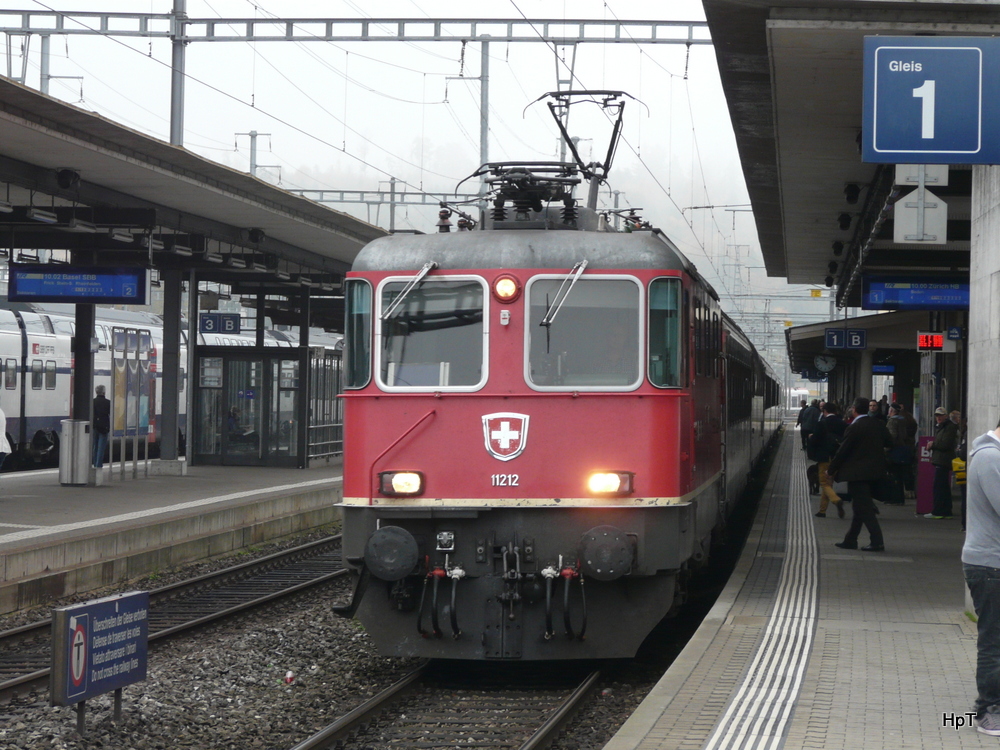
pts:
[98, 646]
[931, 100]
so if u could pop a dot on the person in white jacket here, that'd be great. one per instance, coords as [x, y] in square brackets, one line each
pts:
[981, 563]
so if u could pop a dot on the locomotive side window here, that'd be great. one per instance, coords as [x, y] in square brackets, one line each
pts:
[435, 337]
[36, 375]
[358, 334]
[10, 375]
[665, 333]
[698, 344]
[593, 341]
[716, 344]
[50, 375]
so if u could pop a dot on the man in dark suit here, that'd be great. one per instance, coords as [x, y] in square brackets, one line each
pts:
[101, 427]
[860, 461]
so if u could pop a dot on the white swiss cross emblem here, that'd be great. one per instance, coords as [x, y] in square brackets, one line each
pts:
[506, 434]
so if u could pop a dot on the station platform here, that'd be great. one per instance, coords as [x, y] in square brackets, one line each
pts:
[811, 646]
[57, 540]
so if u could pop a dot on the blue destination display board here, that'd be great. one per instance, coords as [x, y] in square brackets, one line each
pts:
[931, 100]
[913, 293]
[98, 646]
[57, 283]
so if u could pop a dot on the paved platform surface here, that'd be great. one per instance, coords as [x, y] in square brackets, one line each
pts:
[811, 646]
[57, 540]
[34, 506]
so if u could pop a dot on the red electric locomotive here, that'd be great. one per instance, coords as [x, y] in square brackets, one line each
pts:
[546, 421]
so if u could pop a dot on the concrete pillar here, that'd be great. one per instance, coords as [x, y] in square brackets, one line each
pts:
[170, 362]
[83, 363]
[984, 303]
[864, 377]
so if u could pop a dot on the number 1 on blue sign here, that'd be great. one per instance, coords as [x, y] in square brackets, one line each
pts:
[926, 92]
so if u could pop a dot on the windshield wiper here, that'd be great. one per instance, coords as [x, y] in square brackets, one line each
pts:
[410, 286]
[557, 303]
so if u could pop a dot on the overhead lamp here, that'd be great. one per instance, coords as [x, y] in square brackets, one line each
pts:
[844, 220]
[838, 248]
[235, 262]
[851, 193]
[46, 217]
[121, 235]
[213, 258]
[258, 266]
[79, 225]
[281, 276]
[68, 178]
[832, 266]
[181, 250]
[6, 207]
[155, 244]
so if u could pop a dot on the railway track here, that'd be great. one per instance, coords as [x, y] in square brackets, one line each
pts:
[436, 707]
[25, 653]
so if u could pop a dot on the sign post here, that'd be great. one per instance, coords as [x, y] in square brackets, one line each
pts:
[98, 647]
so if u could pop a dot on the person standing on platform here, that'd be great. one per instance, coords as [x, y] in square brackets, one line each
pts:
[981, 565]
[5, 448]
[900, 456]
[102, 426]
[810, 419]
[860, 461]
[874, 410]
[823, 444]
[798, 421]
[942, 452]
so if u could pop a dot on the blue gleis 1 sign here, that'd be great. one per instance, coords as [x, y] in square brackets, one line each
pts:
[928, 101]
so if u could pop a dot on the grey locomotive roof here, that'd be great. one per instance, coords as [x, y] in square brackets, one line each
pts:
[526, 248]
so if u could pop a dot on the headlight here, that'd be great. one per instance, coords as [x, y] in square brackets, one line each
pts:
[400, 483]
[506, 288]
[611, 483]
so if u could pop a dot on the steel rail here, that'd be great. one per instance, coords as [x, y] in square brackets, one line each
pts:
[546, 733]
[360, 715]
[372, 709]
[173, 591]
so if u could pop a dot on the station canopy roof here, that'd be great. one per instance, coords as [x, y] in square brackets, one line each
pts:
[112, 196]
[888, 331]
[792, 73]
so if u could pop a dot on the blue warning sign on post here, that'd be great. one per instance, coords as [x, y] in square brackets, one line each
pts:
[98, 646]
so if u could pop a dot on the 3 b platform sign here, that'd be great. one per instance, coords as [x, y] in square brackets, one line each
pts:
[98, 646]
[928, 100]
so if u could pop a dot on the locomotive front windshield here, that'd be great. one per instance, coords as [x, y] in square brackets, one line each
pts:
[592, 340]
[434, 337]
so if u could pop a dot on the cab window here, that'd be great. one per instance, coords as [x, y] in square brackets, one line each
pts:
[665, 350]
[591, 341]
[358, 333]
[434, 338]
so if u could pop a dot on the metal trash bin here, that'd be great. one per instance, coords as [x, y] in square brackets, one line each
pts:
[75, 452]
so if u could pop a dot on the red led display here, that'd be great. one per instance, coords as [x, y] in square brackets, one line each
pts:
[930, 342]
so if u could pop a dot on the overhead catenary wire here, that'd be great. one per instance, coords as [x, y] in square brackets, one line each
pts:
[274, 117]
